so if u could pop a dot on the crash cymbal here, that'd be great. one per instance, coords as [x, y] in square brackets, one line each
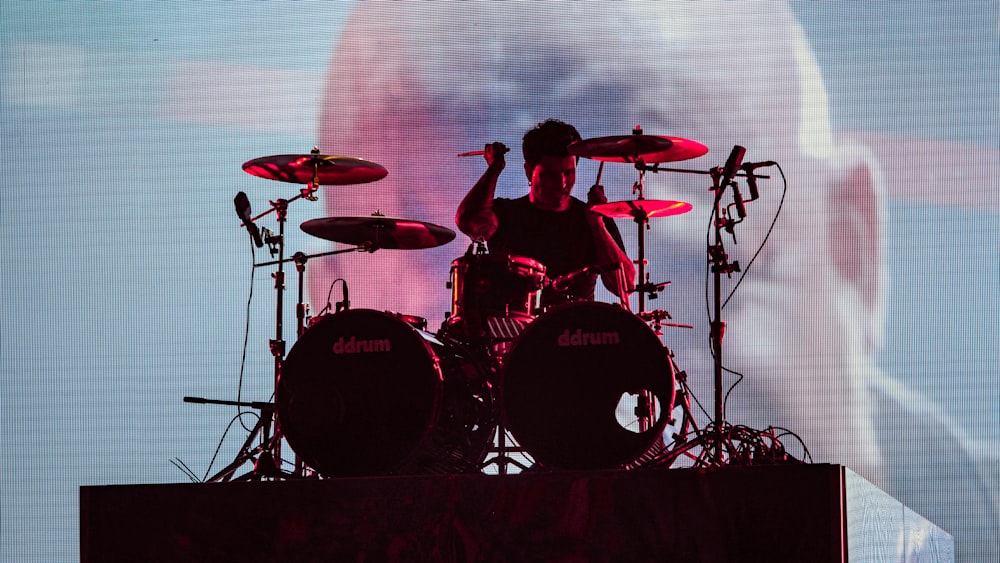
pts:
[327, 169]
[641, 208]
[379, 231]
[635, 147]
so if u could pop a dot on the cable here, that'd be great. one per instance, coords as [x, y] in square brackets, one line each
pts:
[246, 335]
[329, 294]
[774, 221]
[179, 464]
[740, 377]
[223, 439]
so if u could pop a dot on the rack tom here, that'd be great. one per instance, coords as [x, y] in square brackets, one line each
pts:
[493, 296]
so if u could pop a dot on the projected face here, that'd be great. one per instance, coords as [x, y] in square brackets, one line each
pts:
[798, 327]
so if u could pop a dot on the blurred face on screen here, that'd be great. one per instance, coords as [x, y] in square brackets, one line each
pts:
[412, 85]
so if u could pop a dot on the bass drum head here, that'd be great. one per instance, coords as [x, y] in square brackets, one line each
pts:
[357, 393]
[563, 380]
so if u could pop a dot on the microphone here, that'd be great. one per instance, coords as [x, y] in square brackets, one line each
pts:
[748, 168]
[751, 166]
[732, 164]
[243, 212]
[345, 304]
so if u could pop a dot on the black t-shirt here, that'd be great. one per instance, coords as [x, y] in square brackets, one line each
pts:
[561, 240]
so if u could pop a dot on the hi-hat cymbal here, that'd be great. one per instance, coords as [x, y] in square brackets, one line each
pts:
[636, 147]
[642, 208]
[377, 231]
[328, 170]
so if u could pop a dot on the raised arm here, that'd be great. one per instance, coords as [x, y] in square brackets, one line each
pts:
[475, 215]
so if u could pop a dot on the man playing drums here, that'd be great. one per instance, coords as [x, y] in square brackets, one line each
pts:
[548, 224]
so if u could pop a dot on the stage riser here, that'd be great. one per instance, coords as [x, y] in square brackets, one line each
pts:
[780, 513]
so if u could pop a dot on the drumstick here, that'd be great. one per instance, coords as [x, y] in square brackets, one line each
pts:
[623, 297]
[482, 152]
[600, 170]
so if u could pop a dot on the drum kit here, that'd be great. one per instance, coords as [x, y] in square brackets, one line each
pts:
[365, 392]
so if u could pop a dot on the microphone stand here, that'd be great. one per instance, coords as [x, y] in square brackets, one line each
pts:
[266, 456]
[715, 441]
[720, 265]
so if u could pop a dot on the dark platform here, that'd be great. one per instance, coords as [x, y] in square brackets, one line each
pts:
[813, 513]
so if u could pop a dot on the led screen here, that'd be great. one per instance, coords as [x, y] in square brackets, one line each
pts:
[867, 325]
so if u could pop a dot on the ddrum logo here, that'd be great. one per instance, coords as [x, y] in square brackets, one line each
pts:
[354, 346]
[580, 338]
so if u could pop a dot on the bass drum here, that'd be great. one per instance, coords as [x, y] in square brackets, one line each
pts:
[563, 380]
[365, 393]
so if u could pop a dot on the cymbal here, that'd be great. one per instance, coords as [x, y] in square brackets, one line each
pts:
[641, 208]
[635, 147]
[301, 168]
[379, 231]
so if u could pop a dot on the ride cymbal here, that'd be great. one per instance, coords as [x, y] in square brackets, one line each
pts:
[641, 208]
[327, 170]
[636, 147]
[377, 231]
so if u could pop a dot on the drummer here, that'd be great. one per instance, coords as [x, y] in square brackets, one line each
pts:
[549, 224]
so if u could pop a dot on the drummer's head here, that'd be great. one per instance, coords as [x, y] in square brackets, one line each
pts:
[413, 84]
[550, 169]
[549, 138]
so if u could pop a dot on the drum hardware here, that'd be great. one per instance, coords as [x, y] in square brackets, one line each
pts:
[365, 234]
[655, 319]
[266, 455]
[503, 451]
[638, 149]
[313, 169]
[265, 466]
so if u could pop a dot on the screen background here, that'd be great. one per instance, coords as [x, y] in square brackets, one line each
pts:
[125, 275]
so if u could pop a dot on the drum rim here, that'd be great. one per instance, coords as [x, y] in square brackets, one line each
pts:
[518, 259]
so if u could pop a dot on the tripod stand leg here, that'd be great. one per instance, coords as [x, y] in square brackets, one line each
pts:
[246, 454]
[264, 456]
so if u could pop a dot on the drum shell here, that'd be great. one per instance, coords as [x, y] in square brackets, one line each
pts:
[364, 393]
[564, 376]
[487, 285]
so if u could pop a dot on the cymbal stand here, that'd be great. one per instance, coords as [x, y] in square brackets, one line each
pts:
[641, 217]
[300, 259]
[266, 456]
[645, 410]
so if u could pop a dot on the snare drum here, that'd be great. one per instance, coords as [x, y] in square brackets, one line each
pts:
[493, 296]
[364, 392]
[565, 376]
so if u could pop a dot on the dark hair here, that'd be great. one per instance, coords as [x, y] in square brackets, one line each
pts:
[548, 138]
